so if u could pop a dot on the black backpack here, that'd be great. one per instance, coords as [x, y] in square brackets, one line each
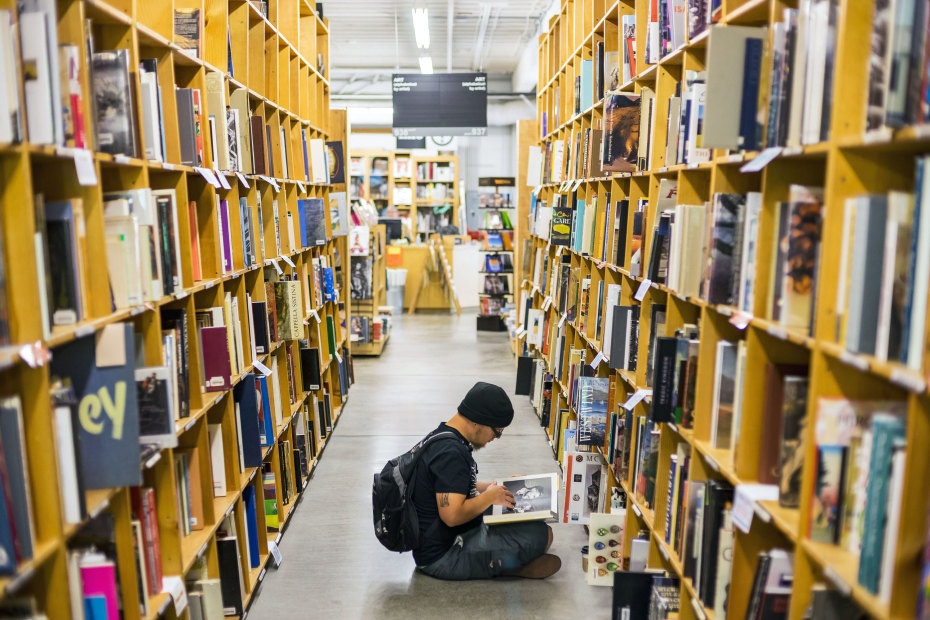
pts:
[395, 516]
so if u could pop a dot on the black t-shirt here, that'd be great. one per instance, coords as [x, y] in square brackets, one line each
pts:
[446, 466]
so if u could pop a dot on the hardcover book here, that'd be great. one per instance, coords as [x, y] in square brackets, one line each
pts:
[535, 497]
[115, 124]
[99, 368]
[214, 343]
[621, 132]
[592, 410]
[156, 415]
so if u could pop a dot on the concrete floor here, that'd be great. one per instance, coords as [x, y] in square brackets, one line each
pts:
[335, 568]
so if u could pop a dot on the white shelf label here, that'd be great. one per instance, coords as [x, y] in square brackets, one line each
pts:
[288, 260]
[190, 425]
[597, 360]
[261, 368]
[740, 319]
[121, 159]
[712, 463]
[857, 362]
[735, 158]
[908, 380]
[562, 321]
[698, 610]
[208, 176]
[243, 180]
[277, 267]
[643, 288]
[922, 132]
[174, 586]
[636, 398]
[338, 357]
[761, 160]
[777, 332]
[316, 316]
[879, 135]
[664, 553]
[558, 250]
[745, 501]
[149, 464]
[84, 165]
[547, 303]
[725, 310]
[222, 179]
[302, 187]
[693, 165]
[838, 582]
[168, 166]
[84, 330]
[637, 511]
[672, 426]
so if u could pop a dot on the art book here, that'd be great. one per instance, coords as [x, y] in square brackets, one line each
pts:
[585, 488]
[535, 496]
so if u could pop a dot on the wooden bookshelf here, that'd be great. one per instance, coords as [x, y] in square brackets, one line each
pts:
[366, 310]
[436, 187]
[282, 61]
[850, 162]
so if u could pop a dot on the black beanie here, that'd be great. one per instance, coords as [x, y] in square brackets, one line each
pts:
[487, 404]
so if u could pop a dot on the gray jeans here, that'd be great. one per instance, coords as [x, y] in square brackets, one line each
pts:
[486, 551]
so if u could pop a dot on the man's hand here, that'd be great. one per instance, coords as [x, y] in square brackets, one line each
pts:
[500, 496]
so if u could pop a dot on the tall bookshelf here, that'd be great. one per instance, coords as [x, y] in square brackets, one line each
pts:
[363, 337]
[281, 60]
[436, 194]
[850, 162]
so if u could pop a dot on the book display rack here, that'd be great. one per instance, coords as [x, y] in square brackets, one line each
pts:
[730, 231]
[372, 178]
[497, 201]
[172, 348]
[370, 330]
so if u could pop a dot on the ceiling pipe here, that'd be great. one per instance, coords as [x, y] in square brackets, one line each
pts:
[449, 19]
[479, 39]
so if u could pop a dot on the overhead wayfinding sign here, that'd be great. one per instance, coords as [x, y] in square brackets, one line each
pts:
[440, 104]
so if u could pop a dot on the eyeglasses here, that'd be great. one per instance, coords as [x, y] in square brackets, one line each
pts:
[497, 432]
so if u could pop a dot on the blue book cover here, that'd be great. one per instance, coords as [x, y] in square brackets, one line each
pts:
[747, 116]
[592, 410]
[302, 216]
[316, 222]
[247, 421]
[7, 543]
[587, 84]
[95, 607]
[104, 383]
[329, 284]
[578, 226]
[251, 525]
[265, 414]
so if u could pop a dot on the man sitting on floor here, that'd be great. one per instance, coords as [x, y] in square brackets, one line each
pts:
[454, 542]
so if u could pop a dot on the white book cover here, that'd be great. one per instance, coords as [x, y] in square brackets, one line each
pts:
[726, 52]
[921, 274]
[900, 216]
[535, 497]
[585, 486]
[747, 268]
[558, 162]
[217, 458]
[815, 74]
[10, 108]
[151, 129]
[169, 349]
[798, 78]
[895, 498]
[216, 109]
[285, 174]
[67, 465]
[273, 385]
[122, 247]
[318, 170]
[37, 83]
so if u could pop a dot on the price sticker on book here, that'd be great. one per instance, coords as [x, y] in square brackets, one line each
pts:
[261, 368]
[643, 288]
[84, 165]
[287, 259]
[243, 180]
[562, 321]
[761, 160]
[597, 360]
[224, 182]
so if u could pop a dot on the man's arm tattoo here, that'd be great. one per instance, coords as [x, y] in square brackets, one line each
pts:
[443, 500]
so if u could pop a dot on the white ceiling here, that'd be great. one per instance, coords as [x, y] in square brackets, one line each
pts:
[370, 39]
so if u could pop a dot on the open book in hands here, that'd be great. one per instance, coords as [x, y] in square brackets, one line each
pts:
[535, 497]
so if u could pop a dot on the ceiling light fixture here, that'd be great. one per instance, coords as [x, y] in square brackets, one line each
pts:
[426, 64]
[421, 27]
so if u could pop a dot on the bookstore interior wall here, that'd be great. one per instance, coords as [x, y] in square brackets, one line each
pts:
[173, 350]
[724, 296]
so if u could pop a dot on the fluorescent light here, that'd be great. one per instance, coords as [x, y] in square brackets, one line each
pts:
[426, 64]
[421, 27]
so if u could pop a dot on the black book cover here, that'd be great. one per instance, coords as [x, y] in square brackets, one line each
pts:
[285, 478]
[268, 145]
[337, 162]
[65, 301]
[621, 230]
[631, 595]
[561, 233]
[170, 270]
[525, 368]
[718, 494]
[175, 319]
[726, 214]
[188, 141]
[227, 552]
[260, 325]
[662, 383]
[310, 369]
[105, 391]
[321, 416]
[153, 394]
[619, 337]
[113, 99]
[245, 397]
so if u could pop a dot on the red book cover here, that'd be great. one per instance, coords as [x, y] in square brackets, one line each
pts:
[198, 127]
[216, 366]
[143, 507]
